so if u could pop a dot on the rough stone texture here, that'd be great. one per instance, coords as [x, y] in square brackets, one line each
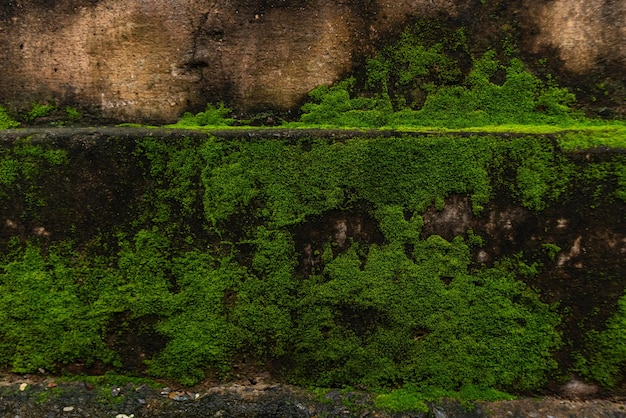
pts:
[43, 396]
[584, 33]
[151, 60]
[122, 58]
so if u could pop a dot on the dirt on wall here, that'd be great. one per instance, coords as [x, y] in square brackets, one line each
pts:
[151, 61]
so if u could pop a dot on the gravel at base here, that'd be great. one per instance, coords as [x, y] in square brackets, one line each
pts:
[25, 398]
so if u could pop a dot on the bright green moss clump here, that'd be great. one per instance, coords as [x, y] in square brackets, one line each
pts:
[40, 110]
[214, 115]
[521, 98]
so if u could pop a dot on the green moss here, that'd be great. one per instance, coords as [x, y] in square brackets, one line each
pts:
[27, 161]
[72, 114]
[40, 110]
[9, 171]
[396, 228]
[297, 184]
[214, 115]
[393, 338]
[200, 335]
[416, 82]
[401, 400]
[604, 357]
[551, 250]
[412, 398]
[48, 394]
[212, 267]
[173, 171]
[604, 181]
[335, 106]
[620, 172]
[269, 176]
[6, 122]
[24, 168]
[542, 174]
[43, 319]
[595, 134]
[132, 125]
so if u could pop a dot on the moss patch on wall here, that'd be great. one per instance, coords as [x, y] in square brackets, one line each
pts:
[221, 255]
[6, 121]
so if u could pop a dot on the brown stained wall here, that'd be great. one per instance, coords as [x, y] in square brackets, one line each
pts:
[586, 34]
[118, 57]
[140, 60]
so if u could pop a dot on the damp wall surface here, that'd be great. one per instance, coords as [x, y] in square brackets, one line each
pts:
[332, 260]
[128, 60]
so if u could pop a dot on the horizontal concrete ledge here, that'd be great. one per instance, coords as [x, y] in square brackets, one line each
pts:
[96, 134]
[66, 132]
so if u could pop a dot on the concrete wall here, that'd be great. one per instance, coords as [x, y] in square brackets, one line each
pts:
[152, 60]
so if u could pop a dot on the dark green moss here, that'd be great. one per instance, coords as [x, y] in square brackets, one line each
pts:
[24, 169]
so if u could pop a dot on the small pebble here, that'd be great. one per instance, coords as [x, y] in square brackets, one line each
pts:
[52, 385]
[439, 413]
[178, 396]
[23, 386]
[68, 409]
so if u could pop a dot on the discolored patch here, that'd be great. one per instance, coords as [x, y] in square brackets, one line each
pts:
[337, 228]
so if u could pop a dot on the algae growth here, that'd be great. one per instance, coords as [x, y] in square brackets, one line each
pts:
[210, 261]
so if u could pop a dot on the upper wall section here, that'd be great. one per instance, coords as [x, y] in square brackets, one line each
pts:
[152, 60]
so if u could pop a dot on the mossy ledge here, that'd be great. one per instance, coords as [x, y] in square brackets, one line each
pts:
[446, 261]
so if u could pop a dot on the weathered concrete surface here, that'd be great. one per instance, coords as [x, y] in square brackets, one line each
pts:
[586, 34]
[151, 60]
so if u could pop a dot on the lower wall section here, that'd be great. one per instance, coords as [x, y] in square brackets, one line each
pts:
[448, 262]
